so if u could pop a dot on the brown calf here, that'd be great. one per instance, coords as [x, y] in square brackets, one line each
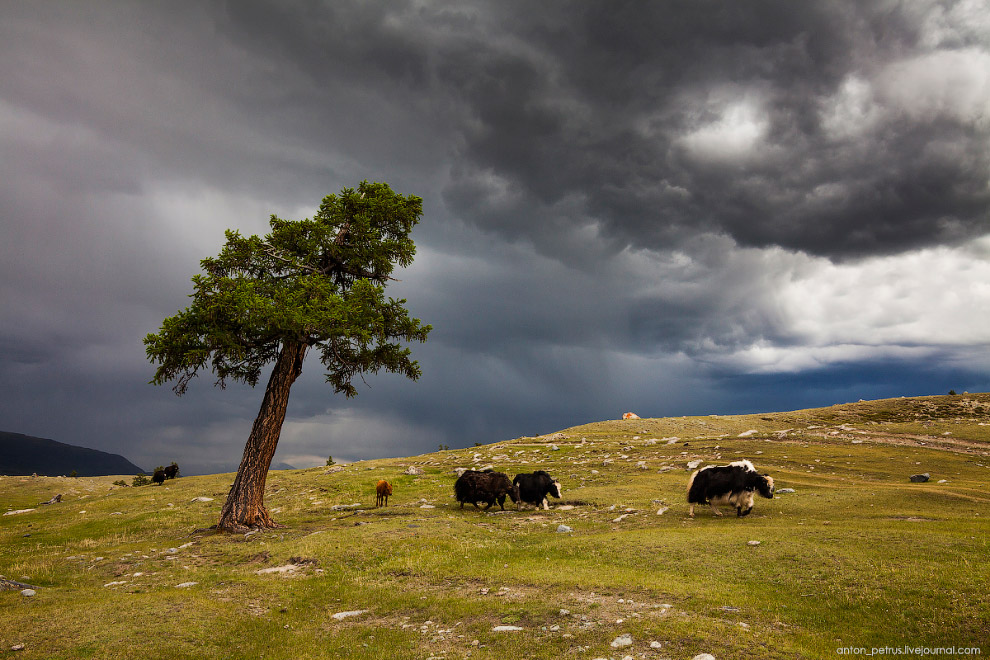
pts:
[383, 489]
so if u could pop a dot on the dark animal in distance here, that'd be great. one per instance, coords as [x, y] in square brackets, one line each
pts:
[382, 489]
[158, 477]
[172, 471]
[732, 484]
[487, 486]
[533, 488]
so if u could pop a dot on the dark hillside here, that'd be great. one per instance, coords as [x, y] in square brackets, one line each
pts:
[24, 454]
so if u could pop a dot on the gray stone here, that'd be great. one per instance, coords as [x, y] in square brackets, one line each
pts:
[563, 529]
[622, 641]
[920, 478]
[413, 470]
[704, 656]
[340, 616]
[782, 491]
[28, 592]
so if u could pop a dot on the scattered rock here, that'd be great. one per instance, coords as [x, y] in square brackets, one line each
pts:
[746, 434]
[288, 568]
[28, 592]
[186, 584]
[920, 478]
[57, 498]
[622, 641]
[506, 629]
[201, 499]
[414, 470]
[655, 645]
[345, 507]
[563, 529]
[17, 647]
[704, 656]
[662, 510]
[14, 513]
[783, 491]
[340, 616]
[753, 543]
[693, 464]
[10, 585]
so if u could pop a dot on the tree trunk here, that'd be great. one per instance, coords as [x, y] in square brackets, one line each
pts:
[245, 506]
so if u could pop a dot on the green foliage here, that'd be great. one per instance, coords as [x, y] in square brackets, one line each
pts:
[330, 461]
[73, 474]
[443, 447]
[952, 392]
[120, 482]
[319, 281]
[140, 480]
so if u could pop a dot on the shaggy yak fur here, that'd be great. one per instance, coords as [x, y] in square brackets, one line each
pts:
[732, 484]
[172, 471]
[158, 477]
[487, 486]
[533, 488]
[383, 489]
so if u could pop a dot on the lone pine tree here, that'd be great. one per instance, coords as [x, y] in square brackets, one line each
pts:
[315, 283]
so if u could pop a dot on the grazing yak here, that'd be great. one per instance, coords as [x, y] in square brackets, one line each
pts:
[158, 477]
[732, 484]
[487, 486]
[172, 471]
[383, 490]
[533, 488]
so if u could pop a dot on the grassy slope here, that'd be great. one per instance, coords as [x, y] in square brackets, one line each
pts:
[858, 556]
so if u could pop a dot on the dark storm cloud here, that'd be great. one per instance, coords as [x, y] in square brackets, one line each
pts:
[638, 108]
[614, 193]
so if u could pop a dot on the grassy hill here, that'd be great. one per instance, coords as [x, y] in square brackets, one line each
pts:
[857, 556]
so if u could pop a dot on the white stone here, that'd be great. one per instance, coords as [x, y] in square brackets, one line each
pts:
[753, 543]
[201, 499]
[506, 629]
[28, 592]
[186, 584]
[704, 656]
[655, 645]
[288, 568]
[746, 434]
[622, 641]
[693, 464]
[340, 616]
[563, 529]
[13, 513]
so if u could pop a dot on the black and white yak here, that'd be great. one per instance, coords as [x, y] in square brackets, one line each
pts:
[533, 488]
[732, 484]
[488, 486]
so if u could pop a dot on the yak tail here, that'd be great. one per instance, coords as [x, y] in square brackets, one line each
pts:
[691, 483]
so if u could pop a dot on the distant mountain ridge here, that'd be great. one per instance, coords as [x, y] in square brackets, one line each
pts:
[24, 454]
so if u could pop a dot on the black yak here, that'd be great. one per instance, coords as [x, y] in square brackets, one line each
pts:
[487, 486]
[533, 488]
[732, 484]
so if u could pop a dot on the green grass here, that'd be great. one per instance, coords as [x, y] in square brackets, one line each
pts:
[857, 556]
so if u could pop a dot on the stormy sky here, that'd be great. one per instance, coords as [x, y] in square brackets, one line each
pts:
[682, 207]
